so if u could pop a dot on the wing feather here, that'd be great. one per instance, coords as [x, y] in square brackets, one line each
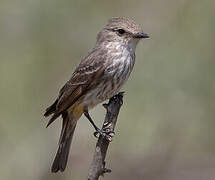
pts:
[82, 80]
[87, 76]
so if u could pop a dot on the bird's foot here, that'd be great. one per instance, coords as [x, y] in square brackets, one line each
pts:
[105, 132]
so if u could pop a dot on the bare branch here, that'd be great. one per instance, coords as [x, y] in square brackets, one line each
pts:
[97, 167]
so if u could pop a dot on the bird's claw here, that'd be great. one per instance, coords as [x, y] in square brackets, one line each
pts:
[105, 132]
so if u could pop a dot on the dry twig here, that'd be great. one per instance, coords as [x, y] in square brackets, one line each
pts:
[97, 167]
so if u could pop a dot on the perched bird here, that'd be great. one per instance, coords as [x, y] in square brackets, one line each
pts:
[98, 77]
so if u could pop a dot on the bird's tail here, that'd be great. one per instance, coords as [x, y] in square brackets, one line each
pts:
[68, 128]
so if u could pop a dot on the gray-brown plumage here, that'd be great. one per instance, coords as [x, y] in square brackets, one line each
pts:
[98, 77]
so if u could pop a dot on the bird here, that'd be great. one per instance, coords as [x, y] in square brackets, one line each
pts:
[98, 77]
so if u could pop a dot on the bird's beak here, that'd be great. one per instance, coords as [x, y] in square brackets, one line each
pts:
[141, 35]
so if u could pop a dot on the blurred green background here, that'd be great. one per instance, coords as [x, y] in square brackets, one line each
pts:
[166, 125]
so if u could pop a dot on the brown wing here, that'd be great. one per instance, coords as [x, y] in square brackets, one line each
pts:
[89, 68]
[82, 79]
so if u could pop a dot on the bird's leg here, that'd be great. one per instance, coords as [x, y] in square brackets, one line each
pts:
[86, 113]
[98, 131]
[104, 132]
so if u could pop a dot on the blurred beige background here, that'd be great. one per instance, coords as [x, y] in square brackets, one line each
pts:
[166, 125]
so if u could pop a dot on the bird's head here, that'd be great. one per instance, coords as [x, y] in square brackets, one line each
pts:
[121, 30]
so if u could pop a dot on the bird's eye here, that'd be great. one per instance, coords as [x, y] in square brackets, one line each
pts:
[121, 31]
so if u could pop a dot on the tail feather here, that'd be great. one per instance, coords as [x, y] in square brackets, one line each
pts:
[67, 132]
